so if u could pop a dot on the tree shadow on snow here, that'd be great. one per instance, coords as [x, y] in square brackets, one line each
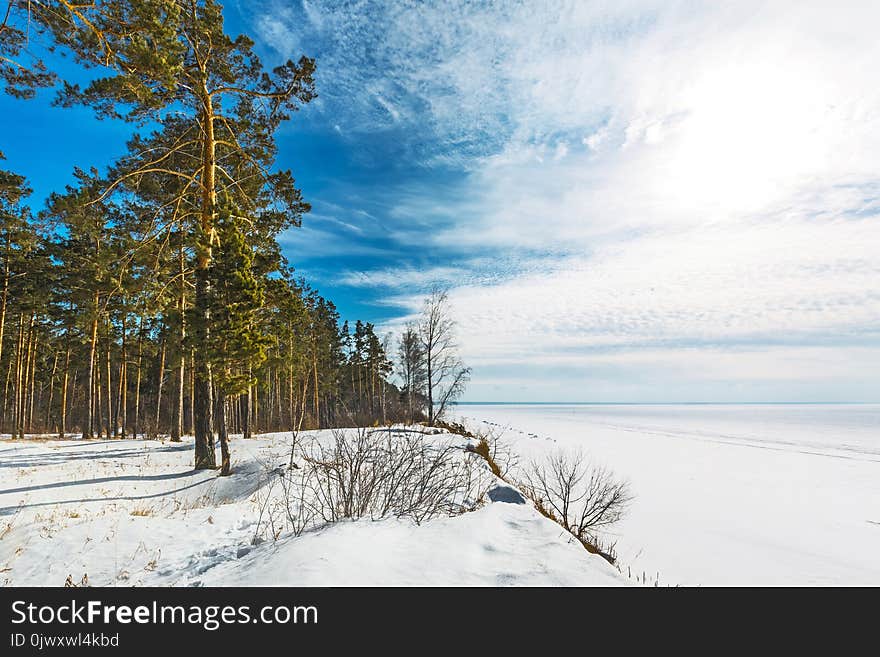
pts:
[99, 480]
[59, 456]
[9, 510]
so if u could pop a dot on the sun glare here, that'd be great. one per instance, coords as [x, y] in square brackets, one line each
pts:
[750, 131]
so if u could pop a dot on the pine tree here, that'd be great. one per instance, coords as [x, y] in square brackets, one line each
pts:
[236, 346]
[173, 56]
[90, 279]
[143, 296]
[16, 239]
[21, 71]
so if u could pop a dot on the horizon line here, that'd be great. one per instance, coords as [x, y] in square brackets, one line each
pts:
[647, 403]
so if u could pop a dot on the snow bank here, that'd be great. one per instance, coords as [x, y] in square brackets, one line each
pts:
[133, 512]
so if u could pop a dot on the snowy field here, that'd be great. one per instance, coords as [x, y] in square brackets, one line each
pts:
[727, 494]
[133, 512]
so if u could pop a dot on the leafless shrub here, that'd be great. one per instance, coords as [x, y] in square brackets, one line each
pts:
[299, 511]
[364, 473]
[380, 473]
[580, 496]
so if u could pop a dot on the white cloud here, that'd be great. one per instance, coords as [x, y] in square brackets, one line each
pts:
[401, 277]
[725, 196]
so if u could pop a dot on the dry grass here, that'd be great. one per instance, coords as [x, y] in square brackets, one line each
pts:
[143, 511]
[485, 451]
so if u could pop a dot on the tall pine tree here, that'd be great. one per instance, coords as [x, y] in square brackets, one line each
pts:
[173, 56]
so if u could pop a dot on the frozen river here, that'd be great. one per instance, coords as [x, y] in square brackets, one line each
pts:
[726, 494]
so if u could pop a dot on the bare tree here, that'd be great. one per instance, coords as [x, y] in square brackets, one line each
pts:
[411, 368]
[579, 495]
[445, 374]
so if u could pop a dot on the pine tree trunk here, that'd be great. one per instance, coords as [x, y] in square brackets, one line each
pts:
[192, 394]
[62, 429]
[317, 408]
[18, 419]
[248, 411]
[255, 410]
[204, 439]
[303, 400]
[159, 385]
[111, 429]
[89, 426]
[223, 434]
[6, 410]
[290, 398]
[137, 386]
[4, 297]
[99, 418]
[29, 375]
[48, 421]
[122, 400]
[177, 412]
[205, 458]
[74, 380]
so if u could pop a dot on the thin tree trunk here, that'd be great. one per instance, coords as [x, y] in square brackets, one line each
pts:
[122, 401]
[177, 405]
[73, 384]
[222, 434]
[137, 387]
[159, 383]
[62, 429]
[290, 397]
[31, 374]
[99, 396]
[20, 379]
[192, 393]
[248, 411]
[111, 429]
[4, 296]
[317, 408]
[255, 424]
[51, 393]
[430, 393]
[89, 426]
[6, 410]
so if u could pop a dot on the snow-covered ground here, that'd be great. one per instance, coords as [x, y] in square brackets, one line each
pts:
[727, 495]
[133, 512]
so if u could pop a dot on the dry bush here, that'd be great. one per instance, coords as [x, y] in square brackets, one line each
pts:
[582, 497]
[381, 473]
[373, 474]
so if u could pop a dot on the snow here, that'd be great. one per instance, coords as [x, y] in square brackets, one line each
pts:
[133, 512]
[726, 495]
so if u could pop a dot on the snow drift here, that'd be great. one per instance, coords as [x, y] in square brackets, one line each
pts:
[133, 512]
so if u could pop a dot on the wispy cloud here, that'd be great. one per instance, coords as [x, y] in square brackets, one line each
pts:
[680, 179]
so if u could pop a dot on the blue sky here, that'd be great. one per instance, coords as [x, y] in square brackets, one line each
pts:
[630, 201]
